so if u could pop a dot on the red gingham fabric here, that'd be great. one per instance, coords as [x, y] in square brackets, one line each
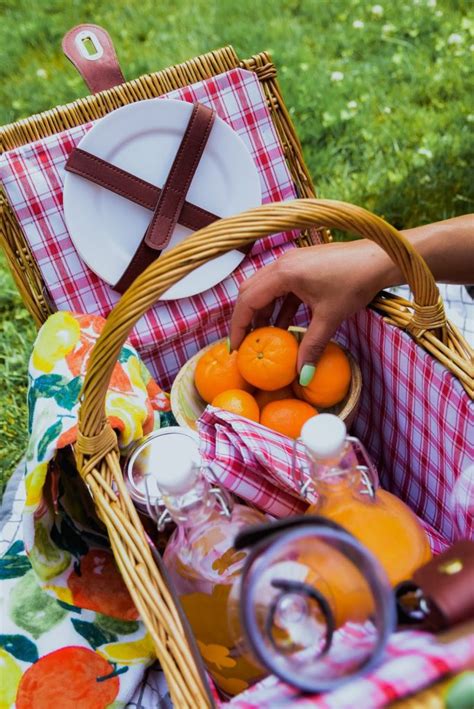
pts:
[33, 177]
[415, 420]
[413, 660]
[256, 464]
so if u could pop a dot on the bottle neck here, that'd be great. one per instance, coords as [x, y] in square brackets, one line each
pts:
[336, 475]
[194, 506]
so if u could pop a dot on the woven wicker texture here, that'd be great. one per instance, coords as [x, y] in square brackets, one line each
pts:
[96, 452]
[98, 462]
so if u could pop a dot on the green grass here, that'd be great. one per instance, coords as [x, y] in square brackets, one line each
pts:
[381, 103]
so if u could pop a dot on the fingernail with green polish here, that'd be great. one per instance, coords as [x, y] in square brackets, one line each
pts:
[227, 344]
[306, 374]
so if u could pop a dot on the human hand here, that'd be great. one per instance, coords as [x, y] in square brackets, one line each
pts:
[334, 280]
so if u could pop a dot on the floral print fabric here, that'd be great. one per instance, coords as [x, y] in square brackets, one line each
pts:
[71, 634]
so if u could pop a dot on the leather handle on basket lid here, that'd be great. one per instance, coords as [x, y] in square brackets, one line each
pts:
[227, 234]
[91, 50]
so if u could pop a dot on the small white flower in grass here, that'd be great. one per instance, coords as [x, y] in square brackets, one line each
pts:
[470, 118]
[377, 10]
[358, 24]
[426, 152]
[387, 109]
[41, 73]
[431, 3]
[337, 76]
[455, 38]
[352, 105]
[388, 27]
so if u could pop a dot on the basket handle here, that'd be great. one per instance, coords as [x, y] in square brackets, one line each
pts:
[91, 50]
[96, 449]
[237, 231]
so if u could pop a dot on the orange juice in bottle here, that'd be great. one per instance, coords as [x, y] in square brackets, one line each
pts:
[378, 519]
[202, 562]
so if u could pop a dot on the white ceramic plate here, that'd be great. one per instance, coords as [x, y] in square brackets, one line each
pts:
[143, 139]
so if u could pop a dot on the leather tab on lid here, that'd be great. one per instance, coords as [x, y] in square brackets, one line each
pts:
[90, 49]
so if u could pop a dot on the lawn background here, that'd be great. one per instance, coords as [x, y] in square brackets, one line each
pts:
[380, 94]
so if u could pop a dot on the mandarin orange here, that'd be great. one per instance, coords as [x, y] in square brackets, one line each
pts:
[267, 358]
[217, 371]
[238, 402]
[331, 380]
[287, 416]
[265, 397]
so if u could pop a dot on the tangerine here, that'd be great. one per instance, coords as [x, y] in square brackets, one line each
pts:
[100, 587]
[217, 371]
[238, 402]
[265, 397]
[287, 416]
[331, 380]
[267, 358]
[69, 678]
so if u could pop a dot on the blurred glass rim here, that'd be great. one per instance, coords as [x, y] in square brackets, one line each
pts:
[260, 557]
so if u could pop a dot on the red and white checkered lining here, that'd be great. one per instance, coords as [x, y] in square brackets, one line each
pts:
[414, 417]
[170, 332]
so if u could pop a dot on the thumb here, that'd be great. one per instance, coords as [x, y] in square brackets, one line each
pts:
[312, 346]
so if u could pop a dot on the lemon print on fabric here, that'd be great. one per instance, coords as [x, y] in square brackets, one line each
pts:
[34, 483]
[58, 336]
[132, 416]
[10, 673]
[32, 609]
[131, 653]
[47, 560]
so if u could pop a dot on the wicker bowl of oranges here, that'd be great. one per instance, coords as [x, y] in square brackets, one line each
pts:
[259, 381]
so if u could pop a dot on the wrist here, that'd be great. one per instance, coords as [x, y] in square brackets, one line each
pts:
[381, 271]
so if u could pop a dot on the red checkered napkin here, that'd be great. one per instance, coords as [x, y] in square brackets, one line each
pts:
[413, 660]
[256, 464]
[171, 332]
[251, 461]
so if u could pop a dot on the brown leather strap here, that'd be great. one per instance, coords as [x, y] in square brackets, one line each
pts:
[90, 49]
[131, 187]
[176, 188]
[447, 583]
[173, 195]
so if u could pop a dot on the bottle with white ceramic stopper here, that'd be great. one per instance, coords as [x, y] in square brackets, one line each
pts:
[202, 562]
[377, 518]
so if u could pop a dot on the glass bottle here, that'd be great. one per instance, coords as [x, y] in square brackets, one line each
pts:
[377, 518]
[204, 566]
[312, 604]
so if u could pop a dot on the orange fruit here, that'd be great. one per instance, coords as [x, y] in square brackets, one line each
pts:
[331, 380]
[287, 416]
[238, 402]
[217, 371]
[69, 678]
[100, 586]
[265, 397]
[267, 358]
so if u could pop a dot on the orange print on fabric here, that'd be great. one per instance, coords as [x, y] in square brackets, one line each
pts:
[99, 586]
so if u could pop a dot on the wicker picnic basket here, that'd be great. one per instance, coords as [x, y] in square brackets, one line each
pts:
[96, 451]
